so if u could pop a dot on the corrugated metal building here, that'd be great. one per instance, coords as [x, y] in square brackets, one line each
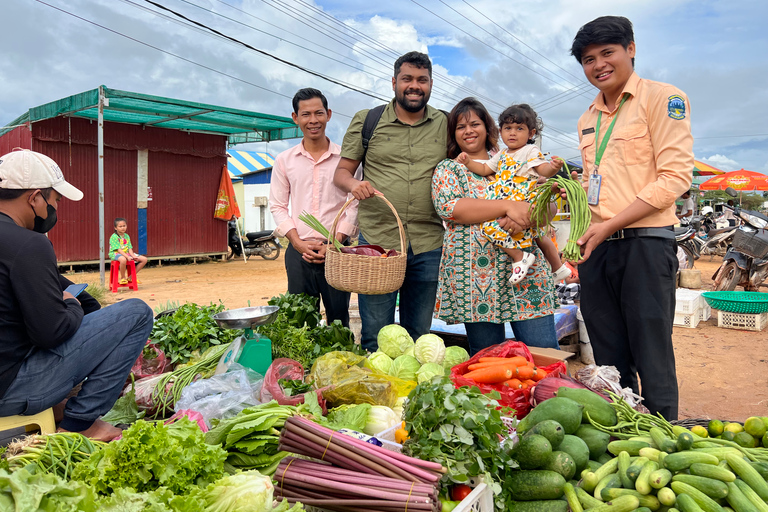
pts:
[163, 160]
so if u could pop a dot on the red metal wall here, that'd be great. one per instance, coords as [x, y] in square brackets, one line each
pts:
[17, 138]
[184, 173]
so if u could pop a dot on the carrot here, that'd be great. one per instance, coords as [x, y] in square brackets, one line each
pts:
[529, 383]
[539, 374]
[524, 372]
[517, 360]
[478, 366]
[492, 375]
[513, 383]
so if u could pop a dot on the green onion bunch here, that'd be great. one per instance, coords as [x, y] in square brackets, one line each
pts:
[314, 223]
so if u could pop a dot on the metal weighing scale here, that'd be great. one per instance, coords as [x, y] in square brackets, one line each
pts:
[251, 349]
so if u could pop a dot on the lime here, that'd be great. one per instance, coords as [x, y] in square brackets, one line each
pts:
[734, 427]
[699, 431]
[765, 420]
[754, 426]
[715, 428]
[727, 435]
[744, 440]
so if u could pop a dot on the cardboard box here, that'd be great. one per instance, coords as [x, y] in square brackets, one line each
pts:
[547, 356]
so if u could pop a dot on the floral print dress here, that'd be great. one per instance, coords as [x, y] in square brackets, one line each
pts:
[473, 285]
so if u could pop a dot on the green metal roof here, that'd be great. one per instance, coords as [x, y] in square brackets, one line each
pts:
[239, 126]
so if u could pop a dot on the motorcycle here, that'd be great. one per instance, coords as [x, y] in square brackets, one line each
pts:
[746, 262]
[719, 241]
[689, 245]
[257, 243]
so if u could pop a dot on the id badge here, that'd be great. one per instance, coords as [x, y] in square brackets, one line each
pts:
[593, 193]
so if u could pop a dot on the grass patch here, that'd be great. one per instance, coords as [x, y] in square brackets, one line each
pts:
[100, 293]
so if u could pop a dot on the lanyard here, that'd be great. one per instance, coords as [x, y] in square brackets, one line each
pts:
[601, 146]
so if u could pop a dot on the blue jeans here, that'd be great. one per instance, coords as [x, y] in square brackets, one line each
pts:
[537, 332]
[417, 299]
[102, 350]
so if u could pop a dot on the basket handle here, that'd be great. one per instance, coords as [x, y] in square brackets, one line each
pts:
[332, 232]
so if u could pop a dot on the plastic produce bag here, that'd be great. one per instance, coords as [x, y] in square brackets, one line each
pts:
[601, 378]
[519, 399]
[144, 389]
[222, 396]
[350, 382]
[285, 368]
[152, 361]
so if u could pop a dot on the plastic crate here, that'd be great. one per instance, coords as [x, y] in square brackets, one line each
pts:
[750, 244]
[687, 301]
[691, 321]
[742, 321]
[705, 313]
[387, 438]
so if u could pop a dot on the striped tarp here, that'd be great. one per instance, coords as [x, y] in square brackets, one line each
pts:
[242, 162]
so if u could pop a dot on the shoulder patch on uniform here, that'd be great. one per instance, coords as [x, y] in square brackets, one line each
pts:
[676, 107]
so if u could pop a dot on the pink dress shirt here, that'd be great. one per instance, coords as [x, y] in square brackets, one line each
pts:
[308, 186]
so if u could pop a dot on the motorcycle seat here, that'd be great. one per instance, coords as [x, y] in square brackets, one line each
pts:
[255, 235]
[682, 231]
[714, 232]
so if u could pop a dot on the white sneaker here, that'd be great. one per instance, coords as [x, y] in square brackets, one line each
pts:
[562, 273]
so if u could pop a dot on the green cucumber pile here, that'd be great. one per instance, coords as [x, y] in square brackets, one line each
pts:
[581, 216]
[568, 462]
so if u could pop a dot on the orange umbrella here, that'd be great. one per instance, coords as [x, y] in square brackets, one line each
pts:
[742, 180]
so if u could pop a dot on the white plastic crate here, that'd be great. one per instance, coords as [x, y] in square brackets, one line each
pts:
[691, 321]
[742, 321]
[705, 313]
[479, 500]
[687, 301]
[387, 438]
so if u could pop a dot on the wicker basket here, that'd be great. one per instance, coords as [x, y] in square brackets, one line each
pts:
[367, 275]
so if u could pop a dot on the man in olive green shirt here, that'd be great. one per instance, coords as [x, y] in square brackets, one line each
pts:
[407, 143]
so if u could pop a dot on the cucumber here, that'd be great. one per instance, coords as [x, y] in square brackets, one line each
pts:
[710, 471]
[560, 462]
[651, 453]
[576, 448]
[550, 429]
[535, 484]
[749, 474]
[677, 430]
[624, 462]
[761, 467]
[532, 451]
[721, 452]
[593, 465]
[587, 501]
[666, 496]
[609, 482]
[645, 439]
[649, 501]
[643, 509]
[620, 504]
[538, 506]
[751, 495]
[573, 500]
[737, 500]
[633, 447]
[661, 440]
[563, 410]
[676, 462]
[684, 441]
[596, 407]
[590, 479]
[706, 503]
[643, 482]
[606, 457]
[687, 504]
[715, 489]
[635, 468]
[660, 478]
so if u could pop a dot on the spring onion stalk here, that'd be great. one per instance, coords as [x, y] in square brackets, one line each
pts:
[53, 453]
[314, 223]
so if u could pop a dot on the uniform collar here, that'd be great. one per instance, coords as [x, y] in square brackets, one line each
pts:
[333, 149]
[630, 87]
[390, 116]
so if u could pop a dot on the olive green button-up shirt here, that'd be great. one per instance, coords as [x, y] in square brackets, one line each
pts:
[400, 161]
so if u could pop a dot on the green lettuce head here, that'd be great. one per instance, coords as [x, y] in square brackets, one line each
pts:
[394, 340]
[405, 367]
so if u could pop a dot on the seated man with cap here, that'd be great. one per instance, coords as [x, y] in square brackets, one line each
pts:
[47, 344]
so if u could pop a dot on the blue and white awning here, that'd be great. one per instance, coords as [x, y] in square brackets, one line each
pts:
[243, 162]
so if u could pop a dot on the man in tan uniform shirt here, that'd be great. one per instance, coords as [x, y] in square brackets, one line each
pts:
[637, 150]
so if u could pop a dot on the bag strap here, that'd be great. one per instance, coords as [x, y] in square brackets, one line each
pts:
[369, 125]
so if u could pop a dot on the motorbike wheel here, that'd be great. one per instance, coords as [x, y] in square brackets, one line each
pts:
[690, 259]
[274, 250]
[730, 277]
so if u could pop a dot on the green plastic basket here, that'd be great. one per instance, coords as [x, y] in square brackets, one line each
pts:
[751, 303]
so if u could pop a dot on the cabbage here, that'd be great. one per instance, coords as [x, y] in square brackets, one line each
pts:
[428, 371]
[405, 367]
[380, 418]
[393, 340]
[249, 490]
[410, 351]
[430, 348]
[380, 361]
[453, 356]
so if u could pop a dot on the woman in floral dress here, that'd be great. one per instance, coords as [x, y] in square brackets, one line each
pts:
[474, 283]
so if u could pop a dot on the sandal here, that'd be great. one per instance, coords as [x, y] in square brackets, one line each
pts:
[123, 281]
[520, 268]
[131, 280]
[562, 273]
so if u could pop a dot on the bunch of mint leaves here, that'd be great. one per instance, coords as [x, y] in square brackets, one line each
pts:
[461, 429]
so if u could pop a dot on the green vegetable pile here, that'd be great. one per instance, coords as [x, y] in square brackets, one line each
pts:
[190, 330]
[52, 453]
[297, 334]
[460, 429]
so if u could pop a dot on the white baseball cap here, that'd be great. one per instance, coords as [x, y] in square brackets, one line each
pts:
[23, 169]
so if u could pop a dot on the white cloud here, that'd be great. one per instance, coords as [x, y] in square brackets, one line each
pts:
[722, 162]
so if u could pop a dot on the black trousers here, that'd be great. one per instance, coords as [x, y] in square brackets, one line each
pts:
[628, 304]
[309, 278]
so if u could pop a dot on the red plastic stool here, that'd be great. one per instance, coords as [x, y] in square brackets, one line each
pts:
[114, 276]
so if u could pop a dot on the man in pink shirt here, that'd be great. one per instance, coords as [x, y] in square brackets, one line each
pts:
[303, 177]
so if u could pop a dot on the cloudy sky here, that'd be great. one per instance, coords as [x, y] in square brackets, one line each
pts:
[501, 52]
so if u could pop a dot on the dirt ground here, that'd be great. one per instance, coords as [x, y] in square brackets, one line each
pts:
[722, 373]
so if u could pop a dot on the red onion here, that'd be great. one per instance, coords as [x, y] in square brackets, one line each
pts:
[547, 388]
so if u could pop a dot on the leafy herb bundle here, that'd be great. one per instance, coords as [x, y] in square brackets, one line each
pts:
[460, 429]
[190, 329]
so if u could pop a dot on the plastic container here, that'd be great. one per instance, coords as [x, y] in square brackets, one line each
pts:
[256, 354]
[690, 321]
[752, 303]
[687, 301]
[742, 321]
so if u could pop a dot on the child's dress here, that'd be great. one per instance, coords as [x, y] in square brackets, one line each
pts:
[515, 180]
[117, 242]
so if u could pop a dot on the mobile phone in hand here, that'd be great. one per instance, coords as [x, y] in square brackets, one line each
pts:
[76, 289]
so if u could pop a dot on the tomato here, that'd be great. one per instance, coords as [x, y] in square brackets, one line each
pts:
[460, 491]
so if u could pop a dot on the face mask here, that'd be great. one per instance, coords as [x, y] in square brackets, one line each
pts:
[45, 225]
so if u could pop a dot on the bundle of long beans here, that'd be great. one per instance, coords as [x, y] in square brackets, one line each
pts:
[353, 475]
[581, 216]
[53, 453]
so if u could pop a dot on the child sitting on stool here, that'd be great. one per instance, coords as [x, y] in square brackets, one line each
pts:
[120, 249]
